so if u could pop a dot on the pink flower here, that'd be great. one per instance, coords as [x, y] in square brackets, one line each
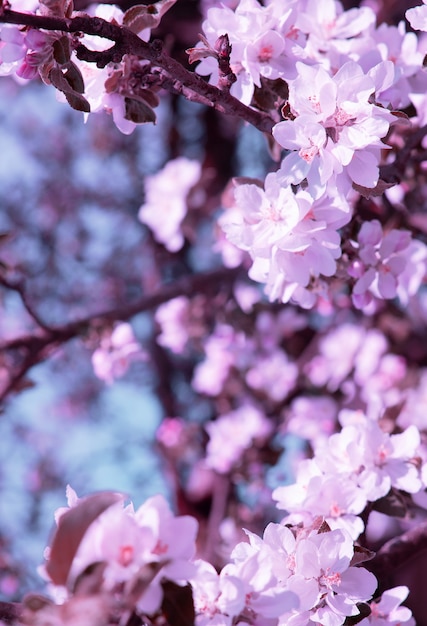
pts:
[221, 350]
[337, 129]
[387, 610]
[381, 264]
[115, 353]
[417, 17]
[173, 318]
[217, 597]
[275, 375]
[231, 434]
[165, 205]
[128, 540]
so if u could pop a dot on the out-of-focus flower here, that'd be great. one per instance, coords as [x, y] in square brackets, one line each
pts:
[115, 353]
[231, 434]
[165, 206]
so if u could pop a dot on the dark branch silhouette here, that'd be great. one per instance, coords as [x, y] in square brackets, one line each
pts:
[127, 42]
[36, 347]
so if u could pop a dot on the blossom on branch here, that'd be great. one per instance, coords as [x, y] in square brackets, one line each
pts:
[165, 204]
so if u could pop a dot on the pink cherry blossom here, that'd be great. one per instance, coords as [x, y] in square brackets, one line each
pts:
[382, 259]
[387, 609]
[417, 17]
[115, 353]
[336, 128]
[231, 434]
[165, 206]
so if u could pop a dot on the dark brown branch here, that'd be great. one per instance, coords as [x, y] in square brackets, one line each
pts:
[394, 172]
[19, 287]
[37, 346]
[10, 612]
[127, 42]
[398, 551]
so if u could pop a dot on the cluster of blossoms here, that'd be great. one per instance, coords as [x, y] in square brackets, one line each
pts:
[300, 575]
[388, 266]
[165, 204]
[360, 464]
[116, 351]
[345, 78]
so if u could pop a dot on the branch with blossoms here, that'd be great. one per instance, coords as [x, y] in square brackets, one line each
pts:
[342, 101]
[33, 348]
[170, 73]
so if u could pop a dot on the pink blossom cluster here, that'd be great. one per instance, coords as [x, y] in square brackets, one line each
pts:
[390, 265]
[285, 578]
[115, 353]
[165, 203]
[366, 369]
[265, 366]
[129, 540]
[289, 576]
[345, 78]
[233, 433]
[292, 239]
[360, 464]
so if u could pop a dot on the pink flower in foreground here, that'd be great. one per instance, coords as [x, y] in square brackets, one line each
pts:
[336, 127]
[301, 579]
[128, 540]
[291, 238]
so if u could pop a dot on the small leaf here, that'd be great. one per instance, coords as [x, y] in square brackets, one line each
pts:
[364, 611]
[71, 529]
[392, 504]
[74, 78]
[36, 602]
[137, 18]
[90, 580]
[136, 587]
[178, 605]
[142, 16]
[324, 528]
[138, 111]
[197, 54]
[77, 102]
[376, 191]
[149, 97]
[74, 99]
[62, 50]
[361, 555]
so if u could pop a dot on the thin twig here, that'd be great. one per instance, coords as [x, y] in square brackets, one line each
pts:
[127, 42]
[37, 346]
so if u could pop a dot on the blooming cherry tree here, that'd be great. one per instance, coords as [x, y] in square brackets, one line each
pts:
[281, 315]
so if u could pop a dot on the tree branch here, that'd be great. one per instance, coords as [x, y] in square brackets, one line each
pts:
[127, 42]
[37, 346]
[397, 552]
